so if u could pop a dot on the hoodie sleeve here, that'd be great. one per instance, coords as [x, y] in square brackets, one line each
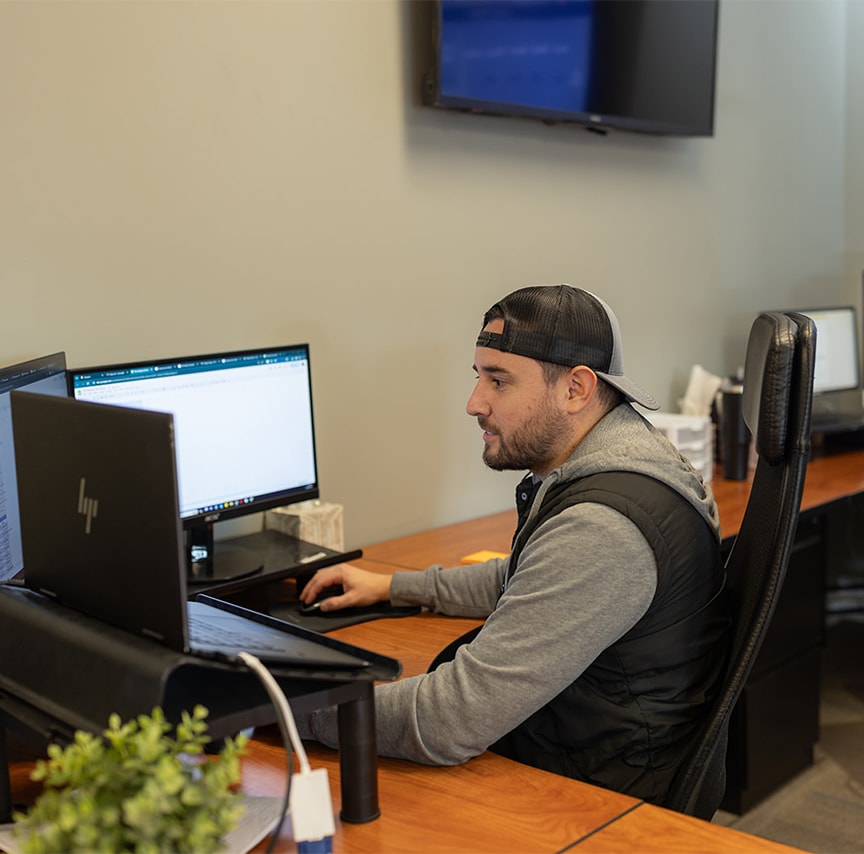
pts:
[464, 591]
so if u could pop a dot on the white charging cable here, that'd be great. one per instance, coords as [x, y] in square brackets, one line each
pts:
[307, 796]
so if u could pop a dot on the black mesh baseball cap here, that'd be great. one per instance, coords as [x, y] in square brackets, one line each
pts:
[566, 326]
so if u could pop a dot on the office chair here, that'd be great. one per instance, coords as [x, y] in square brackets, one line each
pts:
[778, 390]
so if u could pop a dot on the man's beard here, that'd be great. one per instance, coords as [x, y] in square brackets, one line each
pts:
[529, 447]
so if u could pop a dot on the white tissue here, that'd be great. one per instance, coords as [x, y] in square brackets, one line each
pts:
[701, 391]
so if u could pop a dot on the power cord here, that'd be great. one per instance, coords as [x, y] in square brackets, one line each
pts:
[307, 793]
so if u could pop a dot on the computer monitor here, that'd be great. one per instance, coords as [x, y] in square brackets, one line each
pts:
[244, 437]
[44, 375]
[837, 358]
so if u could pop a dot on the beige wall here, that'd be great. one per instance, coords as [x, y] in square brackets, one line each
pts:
[854, 172]
[187, 177]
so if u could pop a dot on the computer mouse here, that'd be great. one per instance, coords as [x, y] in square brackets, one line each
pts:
[315, 607]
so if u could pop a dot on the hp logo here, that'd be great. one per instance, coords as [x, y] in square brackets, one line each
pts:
[87, 506]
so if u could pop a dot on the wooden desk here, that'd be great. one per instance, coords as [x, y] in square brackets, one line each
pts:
[829, 479]
[448, 545]
[415, 640]
[651, 830]
[776, 723]
[487, 804]
[491, 803]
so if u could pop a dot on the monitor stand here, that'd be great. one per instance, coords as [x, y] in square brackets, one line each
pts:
[269, 555]
[211, 562]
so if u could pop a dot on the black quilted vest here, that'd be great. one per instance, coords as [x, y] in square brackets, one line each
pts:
[626, 722]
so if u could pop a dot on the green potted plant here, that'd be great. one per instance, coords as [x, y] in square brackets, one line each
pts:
[139, 787]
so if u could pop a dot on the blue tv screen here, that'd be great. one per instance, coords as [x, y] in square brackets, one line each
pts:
[639, 65]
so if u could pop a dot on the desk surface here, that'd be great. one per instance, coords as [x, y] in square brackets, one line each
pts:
[492, 803]
[829, 478]
[509, 807]
[488, 804]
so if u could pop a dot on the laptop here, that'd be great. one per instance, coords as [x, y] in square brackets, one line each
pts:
[101, 533]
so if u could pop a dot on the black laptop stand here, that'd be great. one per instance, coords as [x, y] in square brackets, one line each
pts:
[61, 671]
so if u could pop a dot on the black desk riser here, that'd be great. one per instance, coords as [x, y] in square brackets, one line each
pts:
[61, 671]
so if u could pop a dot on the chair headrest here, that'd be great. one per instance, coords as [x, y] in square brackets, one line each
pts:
[768, 374]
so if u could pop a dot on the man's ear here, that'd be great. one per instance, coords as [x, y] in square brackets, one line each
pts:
[582, 384]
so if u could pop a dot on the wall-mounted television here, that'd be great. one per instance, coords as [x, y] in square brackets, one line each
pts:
[636, 65]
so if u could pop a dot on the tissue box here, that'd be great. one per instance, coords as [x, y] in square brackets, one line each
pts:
[317, 522]
[693, 435]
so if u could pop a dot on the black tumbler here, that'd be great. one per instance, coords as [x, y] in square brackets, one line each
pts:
[734, 435]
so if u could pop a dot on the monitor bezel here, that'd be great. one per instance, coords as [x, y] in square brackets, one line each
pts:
[31, 370]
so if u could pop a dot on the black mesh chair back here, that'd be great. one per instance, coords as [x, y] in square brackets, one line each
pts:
[778, 391]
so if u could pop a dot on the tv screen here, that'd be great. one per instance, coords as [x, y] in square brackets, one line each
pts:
[638, 65]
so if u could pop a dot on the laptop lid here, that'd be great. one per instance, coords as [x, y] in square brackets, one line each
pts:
[100, 527]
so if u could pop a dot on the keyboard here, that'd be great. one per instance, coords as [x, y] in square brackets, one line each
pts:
[204, 635]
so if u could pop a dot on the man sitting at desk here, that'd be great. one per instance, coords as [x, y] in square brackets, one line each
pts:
[606, 627]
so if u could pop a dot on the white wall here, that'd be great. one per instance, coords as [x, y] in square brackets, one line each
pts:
[182, 177]
[854, 161]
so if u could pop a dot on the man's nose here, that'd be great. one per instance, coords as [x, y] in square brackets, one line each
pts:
[476, 404]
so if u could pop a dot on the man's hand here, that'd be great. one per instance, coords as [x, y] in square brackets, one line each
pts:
[359, 587]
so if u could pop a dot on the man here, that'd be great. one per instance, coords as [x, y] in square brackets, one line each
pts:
[606, 626]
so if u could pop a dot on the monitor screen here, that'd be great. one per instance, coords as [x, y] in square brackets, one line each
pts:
[837, 360]
[45, 375]
[243, 426]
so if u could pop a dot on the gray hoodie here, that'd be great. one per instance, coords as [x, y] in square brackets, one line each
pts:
[585, 578]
